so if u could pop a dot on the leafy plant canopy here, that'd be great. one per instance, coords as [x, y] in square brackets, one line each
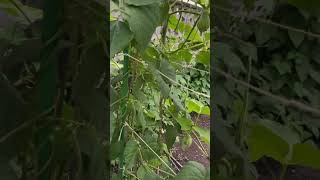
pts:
[160, 74]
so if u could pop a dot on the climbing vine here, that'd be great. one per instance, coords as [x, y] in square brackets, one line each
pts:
[160, 74]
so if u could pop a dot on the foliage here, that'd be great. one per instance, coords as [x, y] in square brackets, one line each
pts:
[161, 47]
[53, 90]
[277, 59]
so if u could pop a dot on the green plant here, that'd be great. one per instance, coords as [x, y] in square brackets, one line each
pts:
[266, 88]
[158, 98]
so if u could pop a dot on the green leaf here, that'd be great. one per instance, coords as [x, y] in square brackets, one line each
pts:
[191, 171]
[296, 37]
[151, 139]
[283, 67]
[166, 68]
[115, 149]
[186, 142]
[223, 51]
[204, 21]
[151, 176]
[170, 135]
[130, 153]
[204, 134]
[140, 116]
[32, 13]
[186, 124]
[264, 33]
[183, 55]
[142, 171]
[305, 154]
[311, 6]
[203, 57]
[141, 2]
[193, 106]
[164, 87]
[315, 75]
[263, 142]
[91, 147]
[120, 35]
[143, 21]
[249, 50]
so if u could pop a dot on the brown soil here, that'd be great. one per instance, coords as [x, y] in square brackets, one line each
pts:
[266, 165]
[193, 153]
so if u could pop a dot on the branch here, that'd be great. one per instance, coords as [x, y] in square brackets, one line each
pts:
[287, 102]
[266, 21]
[24, 125]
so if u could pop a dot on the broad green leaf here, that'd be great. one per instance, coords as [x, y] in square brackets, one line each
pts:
[130, 153]
[151, 139]
[223, 51]
[151, 176]
[164, 87]
[142, 171]
[204, 134]
[166, 68]
[264, 33]
[305, 154]
[204, 3]
[249, 50]
[315, 75]
[115, 149]
[192, 171]
[263, 142]
[311, 6]
[193, 106]
[186, 142]
[141, 2]
[92, 101]
[204, 21]
[32, 13]
[143, 21]
[177, 101]
[186, 124]
[120, 36]
[90, 146]
[170, 135]
[296, 38]
[283, 67]
[183, 55]
[283, 131]
[205, 110]
[140, 116]
[203, 57]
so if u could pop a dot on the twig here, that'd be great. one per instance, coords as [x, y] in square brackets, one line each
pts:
[21, 11]
[287, 102]
[24, 125]
[266, 21]
[126, 124]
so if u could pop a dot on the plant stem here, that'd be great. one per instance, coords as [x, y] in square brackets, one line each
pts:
[242, 122]
[126, 124]
[283, 171]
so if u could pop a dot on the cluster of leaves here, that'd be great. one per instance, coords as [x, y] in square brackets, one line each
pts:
[54, 92]
[276, 59]
[154, 87]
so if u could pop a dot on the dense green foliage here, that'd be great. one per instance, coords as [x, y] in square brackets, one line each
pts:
[161, 89]
[54, 106]
[279, 118]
